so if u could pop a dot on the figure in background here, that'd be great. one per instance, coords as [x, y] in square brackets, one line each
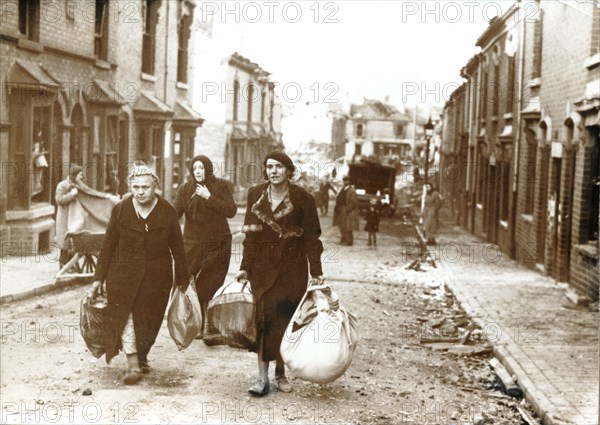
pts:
[281, 247]
[324, 189]
[345, 214]
[68, 208]
[141, 248]
[79, 208]
[431, 220]
[373, 217]
[207, 203]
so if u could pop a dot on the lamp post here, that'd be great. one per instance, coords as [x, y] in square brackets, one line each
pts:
[428, 134]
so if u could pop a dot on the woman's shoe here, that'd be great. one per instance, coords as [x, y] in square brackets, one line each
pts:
[283, 384]
[145, 367]
[259, 389]
[132, 377]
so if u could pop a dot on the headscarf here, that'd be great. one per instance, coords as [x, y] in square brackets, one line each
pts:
[208, 167]
[141, 169]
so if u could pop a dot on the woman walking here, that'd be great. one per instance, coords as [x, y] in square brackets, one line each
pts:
[431, 221]
[280, 248]
[142, 240]
[207, 203]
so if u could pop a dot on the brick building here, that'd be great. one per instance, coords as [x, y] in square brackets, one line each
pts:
[101, 83]
[528, 119]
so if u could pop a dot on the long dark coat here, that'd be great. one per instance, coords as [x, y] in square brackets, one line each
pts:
[138, 268]
[279, 249]
[206, 233]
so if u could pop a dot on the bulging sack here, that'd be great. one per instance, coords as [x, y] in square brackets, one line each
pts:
[184, 317]
[231, 313]
[320, 340]
[92, 314]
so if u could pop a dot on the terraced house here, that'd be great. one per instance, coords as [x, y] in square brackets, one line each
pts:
[102, 83]
[521, 139]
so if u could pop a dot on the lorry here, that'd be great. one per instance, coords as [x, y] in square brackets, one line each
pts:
[374, 181]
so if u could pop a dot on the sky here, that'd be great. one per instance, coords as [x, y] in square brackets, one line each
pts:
[411, 51]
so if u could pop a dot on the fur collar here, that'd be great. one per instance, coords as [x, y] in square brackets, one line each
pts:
[262, 204]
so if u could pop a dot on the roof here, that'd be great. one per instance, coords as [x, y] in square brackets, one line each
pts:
[375, 109]
[102, 92]
[150, 106]
[31, 75]
[185, 114]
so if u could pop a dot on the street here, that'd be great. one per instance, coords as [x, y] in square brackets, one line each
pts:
[400, 373]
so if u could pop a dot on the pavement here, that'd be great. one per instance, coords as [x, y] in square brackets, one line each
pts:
[548, 345]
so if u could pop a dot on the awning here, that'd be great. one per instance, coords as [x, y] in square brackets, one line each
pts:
[252, 132]
[102, 92]
[30, 76]
[238, 134]
[186, 116]
[149, 106]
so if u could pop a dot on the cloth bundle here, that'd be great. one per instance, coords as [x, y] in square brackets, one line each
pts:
[231, 316]
[320, 340]
[184, 317]
[92, 314]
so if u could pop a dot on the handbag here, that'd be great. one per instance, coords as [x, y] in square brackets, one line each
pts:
[319, 342]
[184, 317]
[231, 314]
[92, 314]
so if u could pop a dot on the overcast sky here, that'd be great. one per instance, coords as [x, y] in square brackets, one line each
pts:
[346, 50]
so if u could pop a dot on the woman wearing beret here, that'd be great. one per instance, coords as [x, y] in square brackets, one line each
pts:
[207, 203]
[281, 247]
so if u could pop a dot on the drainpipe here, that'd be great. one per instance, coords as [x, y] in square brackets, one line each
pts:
[167, 17]
[518, 121]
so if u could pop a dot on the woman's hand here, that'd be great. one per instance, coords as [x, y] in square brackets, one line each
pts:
[241, 276]
[316, 280]
[202, 191]
[96, 289]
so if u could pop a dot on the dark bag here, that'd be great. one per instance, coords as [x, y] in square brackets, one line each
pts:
[91, 317]
[231, 313]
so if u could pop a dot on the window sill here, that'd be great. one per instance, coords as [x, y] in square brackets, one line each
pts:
[504, 224]
[182, 86]
[479, 206]
[148, 77]
[102, 64]
[527, 218]
[36, 211]
[34, 46]
[588, 250]
[534, 83]
[592, 61]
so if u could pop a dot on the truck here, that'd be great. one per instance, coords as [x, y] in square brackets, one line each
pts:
[374, 181]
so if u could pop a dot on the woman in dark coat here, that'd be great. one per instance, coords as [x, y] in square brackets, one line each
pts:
[280, 248]
[142, 240]
[207, 202]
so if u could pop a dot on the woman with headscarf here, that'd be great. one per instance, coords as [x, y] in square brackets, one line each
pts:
[207, 203]
[142, 240]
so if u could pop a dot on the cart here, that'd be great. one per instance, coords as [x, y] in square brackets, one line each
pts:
[85, 247]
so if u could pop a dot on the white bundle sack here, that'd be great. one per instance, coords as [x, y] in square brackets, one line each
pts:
[320, 340]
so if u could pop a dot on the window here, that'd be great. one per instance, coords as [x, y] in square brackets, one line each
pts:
[149, 38]
[262, 105]
[481, 173]
[594, 161]
[359, 130]
[399, 130]
[40, 187]
[182, 47]
[150, 146]
[236, 99]
[510, 88]
[505, 189]
[250, 100]
[101, 31]
[529, 177]
[484, 95]
[111, 175]
[496, 89]
[29, 19]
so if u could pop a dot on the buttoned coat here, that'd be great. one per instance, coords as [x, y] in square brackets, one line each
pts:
[137, 265]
